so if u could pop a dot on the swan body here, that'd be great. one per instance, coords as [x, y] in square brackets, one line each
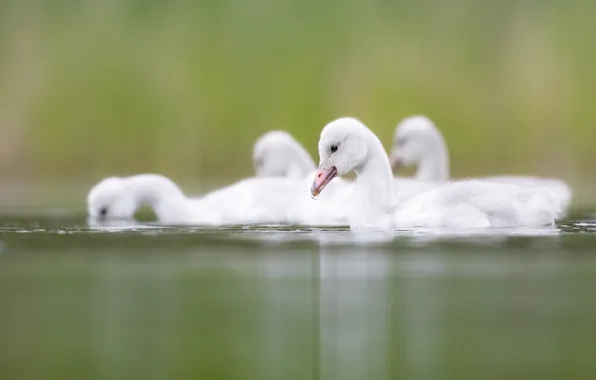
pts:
[348, 145]
[417, 141]
[560, 190]
[249, 201]
[328, 210]
[478, 204]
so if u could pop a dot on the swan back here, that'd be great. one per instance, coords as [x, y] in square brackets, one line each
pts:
[560, 190]
[278, 154]
[418, 141]
[478, 203]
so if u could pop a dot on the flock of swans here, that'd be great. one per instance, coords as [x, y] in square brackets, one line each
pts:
[288, 188]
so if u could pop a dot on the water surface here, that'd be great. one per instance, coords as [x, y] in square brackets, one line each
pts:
[152, 302]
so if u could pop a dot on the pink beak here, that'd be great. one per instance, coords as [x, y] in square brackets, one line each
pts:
[322, 179]
[396, 163]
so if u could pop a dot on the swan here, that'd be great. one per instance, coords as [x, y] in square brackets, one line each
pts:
[417, 141]
[278, 154]
[346, 145]
[249, 201]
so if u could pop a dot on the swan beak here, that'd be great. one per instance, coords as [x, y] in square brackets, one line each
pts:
[322, 179]
[395, 161]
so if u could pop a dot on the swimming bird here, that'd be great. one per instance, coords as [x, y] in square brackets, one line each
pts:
[278, 154]
[417, 141]
[346, 145]
[249, 201]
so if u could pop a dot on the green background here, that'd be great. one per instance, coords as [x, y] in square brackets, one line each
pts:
[110, 87]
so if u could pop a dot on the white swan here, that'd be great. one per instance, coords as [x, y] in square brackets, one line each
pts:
[250, 201]
[417, 141]
[348, 145]
[278, 154]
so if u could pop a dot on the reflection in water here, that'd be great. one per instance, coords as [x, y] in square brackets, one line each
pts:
[374, 309]
[284, 305]
[479, 236]
[120, 225]
[415, 237]
[358, 298]
[292, 303]
[124, 300]
[423, 317]
[354, 314]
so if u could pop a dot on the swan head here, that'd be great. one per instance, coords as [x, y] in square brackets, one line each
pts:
[342, 149]
[411, 141]
[109, 199]
[278, 154]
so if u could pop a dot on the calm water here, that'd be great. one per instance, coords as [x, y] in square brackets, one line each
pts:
[149, 302]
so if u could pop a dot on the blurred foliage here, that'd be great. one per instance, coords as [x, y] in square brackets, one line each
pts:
[102, 87]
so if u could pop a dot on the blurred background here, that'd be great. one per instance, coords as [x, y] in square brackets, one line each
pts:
[95, 88]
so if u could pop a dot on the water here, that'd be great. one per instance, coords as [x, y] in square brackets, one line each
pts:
[150, 302]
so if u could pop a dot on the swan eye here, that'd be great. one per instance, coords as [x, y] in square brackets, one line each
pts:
[103, 211]
[401, 141]
[333, 148]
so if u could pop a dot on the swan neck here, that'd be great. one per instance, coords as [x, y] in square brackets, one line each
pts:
[158, 192]
[434, 164]
[304, 163]
[373, 190]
